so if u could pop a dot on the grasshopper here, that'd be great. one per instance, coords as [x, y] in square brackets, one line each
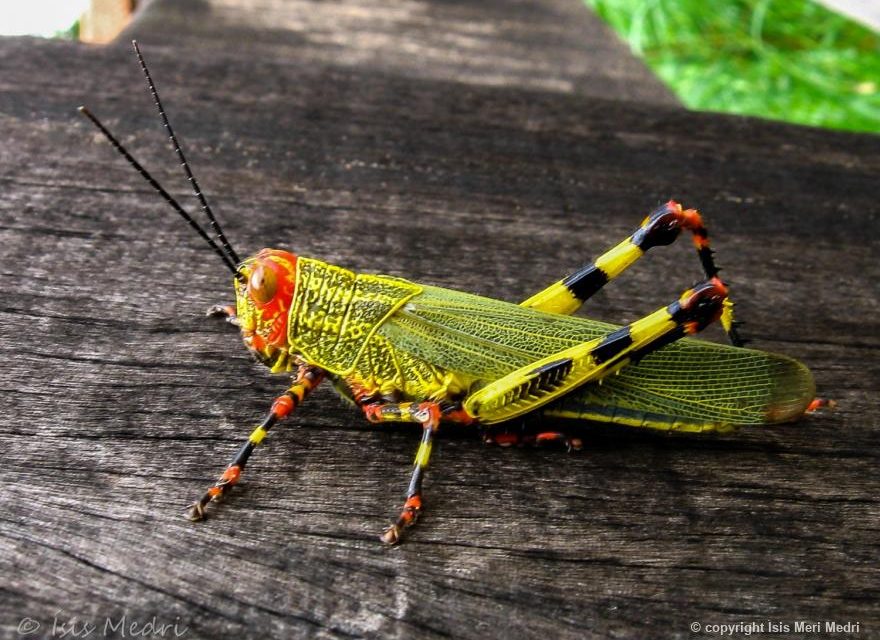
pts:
[407, 352]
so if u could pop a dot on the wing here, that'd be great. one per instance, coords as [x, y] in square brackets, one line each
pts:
[694, 385]
[688, 385]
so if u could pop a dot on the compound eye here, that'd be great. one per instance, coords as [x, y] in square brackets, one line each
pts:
[262, 284]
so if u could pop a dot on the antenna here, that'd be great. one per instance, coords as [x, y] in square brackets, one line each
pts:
[167, 196]
[189, 174]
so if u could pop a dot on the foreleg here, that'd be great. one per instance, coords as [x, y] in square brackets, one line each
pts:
[307, 378]
[225, 311]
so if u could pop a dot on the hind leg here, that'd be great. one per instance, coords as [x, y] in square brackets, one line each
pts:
[661, 227]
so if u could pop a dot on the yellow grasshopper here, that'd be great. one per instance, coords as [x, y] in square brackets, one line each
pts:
[403, 351]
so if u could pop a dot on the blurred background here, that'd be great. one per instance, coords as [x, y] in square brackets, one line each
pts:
[794, 60]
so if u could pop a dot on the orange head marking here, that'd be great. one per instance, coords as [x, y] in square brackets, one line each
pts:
[263, 299]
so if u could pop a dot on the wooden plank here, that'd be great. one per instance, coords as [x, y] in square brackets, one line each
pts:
[550, 45]
[123, 401]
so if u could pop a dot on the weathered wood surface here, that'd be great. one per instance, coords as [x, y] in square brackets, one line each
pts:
[121, 401]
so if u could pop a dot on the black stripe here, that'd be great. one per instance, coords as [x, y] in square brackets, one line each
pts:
[612, 345]
[661, 229]
[707, 261]
[243, 454]
[586, 281]
[733, 335]
[247, 448]
[390, 411]
[676, 312]
[549, 376]
[662, 341]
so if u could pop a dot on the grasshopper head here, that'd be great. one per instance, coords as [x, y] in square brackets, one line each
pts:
[263, 296]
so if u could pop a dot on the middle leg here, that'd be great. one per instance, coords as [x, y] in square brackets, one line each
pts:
[428, 414]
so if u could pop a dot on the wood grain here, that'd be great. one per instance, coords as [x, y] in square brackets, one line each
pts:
[122, 401]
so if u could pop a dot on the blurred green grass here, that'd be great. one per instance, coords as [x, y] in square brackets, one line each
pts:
[791, 60]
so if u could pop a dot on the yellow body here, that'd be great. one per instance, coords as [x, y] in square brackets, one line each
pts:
[380, 334]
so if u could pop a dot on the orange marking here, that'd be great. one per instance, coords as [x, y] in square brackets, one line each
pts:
[701, 242]
[506, 439]
[460, 416]
[270, 315]
[413, 502]
[231, 475]
[433, 410]
[214, 491]
[718, 284]
[257, 342]
[278, 328]
[282, 406]
[820, 403]
[691, 220]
